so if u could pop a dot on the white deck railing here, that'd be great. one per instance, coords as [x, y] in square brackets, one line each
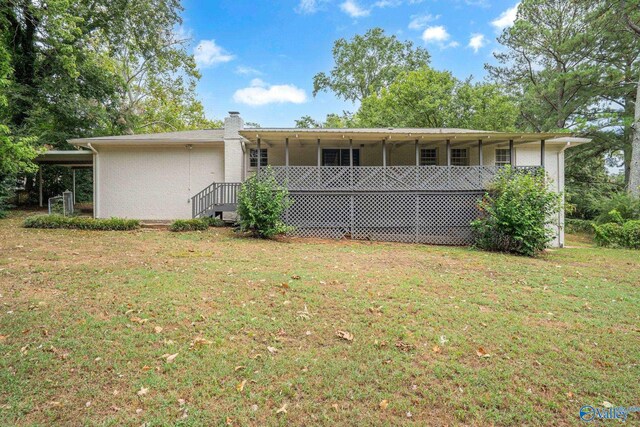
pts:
[390, 178]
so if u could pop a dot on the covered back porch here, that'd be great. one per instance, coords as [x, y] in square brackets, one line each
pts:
[390, 159]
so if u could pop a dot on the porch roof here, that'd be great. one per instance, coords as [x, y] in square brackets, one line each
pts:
[403, 134]
[70, 158]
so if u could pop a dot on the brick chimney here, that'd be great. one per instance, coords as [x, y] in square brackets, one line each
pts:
[233, 155]
[233, 124]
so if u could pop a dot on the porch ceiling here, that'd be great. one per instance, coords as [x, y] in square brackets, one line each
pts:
[278, 135]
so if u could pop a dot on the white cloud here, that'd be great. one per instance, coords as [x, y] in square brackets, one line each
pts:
[307, 7]
[244, 70]
[387, 3]
[353, 9]
[418, 22]
[477, 41]
[260, 93]
[506, 18]
[438, 35]
[208, 54]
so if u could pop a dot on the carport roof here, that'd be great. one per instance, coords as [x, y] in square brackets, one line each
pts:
[77, 158]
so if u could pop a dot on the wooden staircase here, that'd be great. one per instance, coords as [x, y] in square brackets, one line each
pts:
[215, 199]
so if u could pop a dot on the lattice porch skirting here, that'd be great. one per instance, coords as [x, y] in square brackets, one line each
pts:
[441, 218]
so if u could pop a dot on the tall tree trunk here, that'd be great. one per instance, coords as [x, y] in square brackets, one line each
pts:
[634, 166]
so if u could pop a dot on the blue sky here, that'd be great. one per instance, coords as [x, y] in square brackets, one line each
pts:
[259, 57]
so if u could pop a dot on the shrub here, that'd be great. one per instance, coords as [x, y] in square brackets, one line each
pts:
[213, 221]
[197, 224]
[80, 223]
[573, 225]
[608, 234]
[620, 207]
[261, 203]
[631, 234]
[516, 214]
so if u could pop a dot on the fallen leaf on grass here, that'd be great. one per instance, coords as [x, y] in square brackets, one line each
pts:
[171, 357]
[237, 368]
[272, 350]
[282, 410]
[241, 385]
[569, 395]
[284, 285]
[157, 329]
[436, 349]
[481, 352]
[3, 337]
[295, 277]
[607, 404]
[335, 406]
[142, 391]
[383, 405]
[404, 346]
[199, 342]
[139, 320]
[344, 335]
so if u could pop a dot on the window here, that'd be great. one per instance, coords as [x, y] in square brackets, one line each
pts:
[503, 156]
[459, 157]
[428, 157]
[339, 157]
[253, 157]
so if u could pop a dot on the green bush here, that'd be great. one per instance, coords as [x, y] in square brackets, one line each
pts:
[607, 234]
[261, 203]
[213, 221]
[197, 224]
[618, 208]
[516, 214]
[625, 235]
[631, 233]
[80, 223]
[572, 225]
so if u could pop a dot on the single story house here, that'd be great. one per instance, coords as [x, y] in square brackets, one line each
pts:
[411, 185]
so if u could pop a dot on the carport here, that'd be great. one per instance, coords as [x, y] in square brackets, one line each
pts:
[73, 159]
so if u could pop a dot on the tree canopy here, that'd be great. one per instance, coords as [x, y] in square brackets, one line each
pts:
[431, 98]
[368, 63]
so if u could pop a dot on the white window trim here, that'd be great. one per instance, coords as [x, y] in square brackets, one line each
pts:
[430, 148]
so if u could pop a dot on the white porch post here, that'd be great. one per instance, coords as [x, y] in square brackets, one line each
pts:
[384, 153]
[259, 155]
[286, 152]
[480, 159]
[448, 152]
[319, 153]
[40, 186]
[73, 180]
[512, 154]
[542, 153]
[351, 153]
[417, 152]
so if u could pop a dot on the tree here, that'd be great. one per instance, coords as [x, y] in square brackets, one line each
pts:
[632, 17]
[431, 98]
[15, 153]
[573, 65]
[548, 62]
[332, 121]
[94, 67]
[368, 63]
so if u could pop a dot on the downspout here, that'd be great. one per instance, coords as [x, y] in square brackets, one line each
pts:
[561, 212]
[243, 145]
[95, 180]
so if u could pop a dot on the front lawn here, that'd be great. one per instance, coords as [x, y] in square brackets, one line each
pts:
[205, 328]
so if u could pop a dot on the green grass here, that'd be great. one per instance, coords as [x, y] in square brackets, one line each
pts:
[80, 308]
